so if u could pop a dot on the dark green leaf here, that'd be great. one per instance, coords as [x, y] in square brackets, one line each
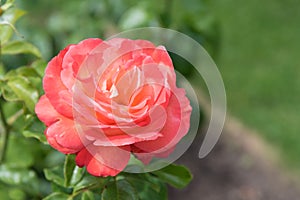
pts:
[72, 173]
[20, 47]
[57, 196]
[175, 175]
[119, 190]
[88, 181]
[148, 187]
[58, 188]
[55, 174]
[68, 168]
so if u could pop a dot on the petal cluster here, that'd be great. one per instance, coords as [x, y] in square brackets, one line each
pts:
[105, 100]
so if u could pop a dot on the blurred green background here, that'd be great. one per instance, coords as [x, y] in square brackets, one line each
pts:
[255, 44]
[260, 65]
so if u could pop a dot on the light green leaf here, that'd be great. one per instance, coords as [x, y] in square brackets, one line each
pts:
[34, 128]
[39, 66]
[175, 175]
[7, 93]
[27, 72]
[88, 195]
[20, 47]
[57, 196]
[19, 152]
[119, 190]
[24, 91]
[7, 21]
[37, 135]
[7, 5]
[2, 70]
[55, 174]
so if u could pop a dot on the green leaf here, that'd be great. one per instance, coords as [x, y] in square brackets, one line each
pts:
[7, 21]
[7, 5]
[88, 181]
[7, 93]
[2, 70]
[72, 173]
[58, 188]
[119, 190]
[176, 175]
[148, 186]
[88, 195]
[39, 66]
[27, 72]
[24, 91]
[55, 174]
[34, 128]
[68, 168]
[20, 47]
[57, 196]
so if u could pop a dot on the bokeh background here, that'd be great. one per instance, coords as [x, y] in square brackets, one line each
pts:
[256, 46]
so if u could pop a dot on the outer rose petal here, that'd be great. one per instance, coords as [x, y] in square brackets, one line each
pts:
[45, 111]
[64, 133]
[96, 167]
[74, 58]
[55, 90]
[61, 133]
[176, 126]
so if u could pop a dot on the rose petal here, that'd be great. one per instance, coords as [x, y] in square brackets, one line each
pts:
[103, 161]
[54, 88]
[64, 133]
[176, 126]
[74, 58]
[45, 111]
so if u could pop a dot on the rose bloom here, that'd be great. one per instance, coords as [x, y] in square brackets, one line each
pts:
[106, 100]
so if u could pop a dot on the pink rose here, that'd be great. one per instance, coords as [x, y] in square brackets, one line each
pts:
[105, 100]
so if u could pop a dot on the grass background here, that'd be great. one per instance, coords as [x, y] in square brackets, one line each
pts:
[260, 63]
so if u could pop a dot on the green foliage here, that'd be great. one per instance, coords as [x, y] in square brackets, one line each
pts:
[17, 47]
[29, 168]
[119, 190]
[72, 182]
[175, 175]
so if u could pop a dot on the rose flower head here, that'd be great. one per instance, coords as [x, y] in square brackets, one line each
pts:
[106, 100]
